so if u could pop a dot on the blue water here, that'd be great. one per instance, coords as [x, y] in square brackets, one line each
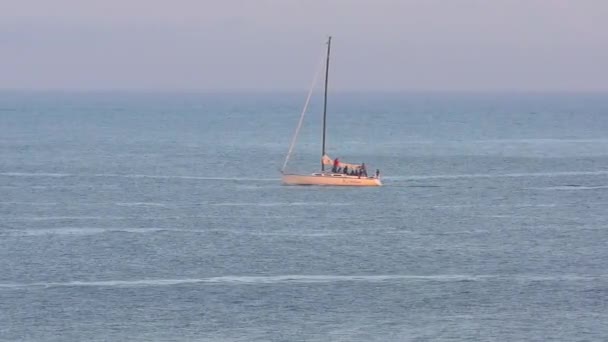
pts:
[160, 217]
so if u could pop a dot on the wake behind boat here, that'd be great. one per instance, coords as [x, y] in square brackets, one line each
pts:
[342, 174]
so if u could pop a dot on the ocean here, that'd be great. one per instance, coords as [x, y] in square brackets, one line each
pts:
[131, 216]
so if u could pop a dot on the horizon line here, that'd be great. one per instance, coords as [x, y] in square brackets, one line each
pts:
[303, 91]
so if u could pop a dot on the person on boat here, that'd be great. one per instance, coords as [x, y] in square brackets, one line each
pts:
[363, 170]
[346, 169]
[377, 173]
[336, 163]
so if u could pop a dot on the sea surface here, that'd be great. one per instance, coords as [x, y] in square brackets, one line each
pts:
[161, 217]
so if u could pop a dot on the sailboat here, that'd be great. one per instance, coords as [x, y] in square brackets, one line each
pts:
[341, 174]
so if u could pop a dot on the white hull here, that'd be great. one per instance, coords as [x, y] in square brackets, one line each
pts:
[332, 179]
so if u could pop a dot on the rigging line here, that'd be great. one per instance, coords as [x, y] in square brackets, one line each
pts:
[295, 136]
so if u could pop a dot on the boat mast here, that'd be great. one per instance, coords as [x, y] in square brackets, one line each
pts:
[325, 103]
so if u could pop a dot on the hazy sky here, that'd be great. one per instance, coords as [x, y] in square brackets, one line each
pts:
[275, 44]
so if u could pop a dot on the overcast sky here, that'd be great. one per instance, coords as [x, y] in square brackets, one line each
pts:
[378, 45]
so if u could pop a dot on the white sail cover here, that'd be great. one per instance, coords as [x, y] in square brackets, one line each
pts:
[326, 160]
